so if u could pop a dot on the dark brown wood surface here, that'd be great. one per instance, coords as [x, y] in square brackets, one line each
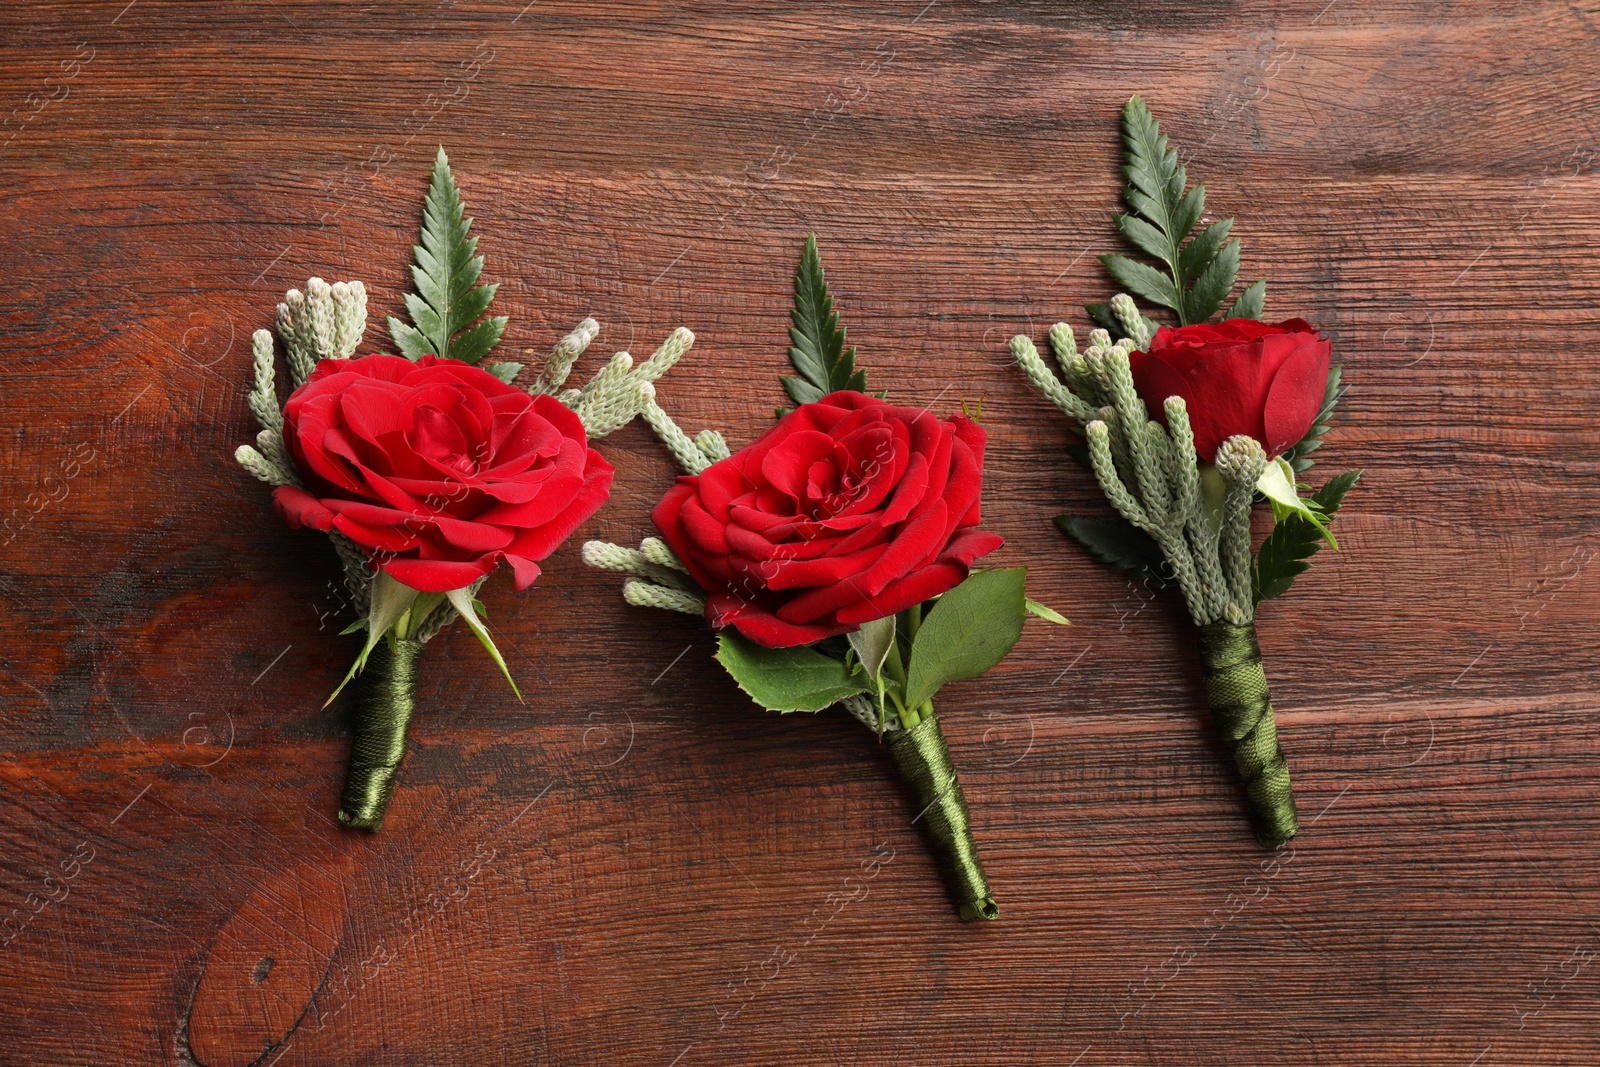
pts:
[638, 867]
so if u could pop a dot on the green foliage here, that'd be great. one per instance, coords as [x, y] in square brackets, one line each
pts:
[968, 630]
[1045, 612]
[1287, 551]
[817, 351]
[1252, 303]
[1163, 212]
[390, 603]
[448, 299]
[469, 608]
[1299, 456]
[1119, 543]
[787, 679]
[506, 372]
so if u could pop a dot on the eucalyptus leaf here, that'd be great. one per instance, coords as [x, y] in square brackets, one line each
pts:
[969, 630]
[786, 679]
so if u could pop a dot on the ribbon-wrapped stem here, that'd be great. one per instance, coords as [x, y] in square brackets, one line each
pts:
[923, 759]
[1236, 687]
[383, 697]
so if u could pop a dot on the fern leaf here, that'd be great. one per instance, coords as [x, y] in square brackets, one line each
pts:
[448, 300]
[817, 340]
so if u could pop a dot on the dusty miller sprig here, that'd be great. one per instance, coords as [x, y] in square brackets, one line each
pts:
[1151, 474]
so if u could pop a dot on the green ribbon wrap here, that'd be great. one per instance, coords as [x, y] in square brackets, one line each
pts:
[1241, 704]
[383, 696]
[923, 759]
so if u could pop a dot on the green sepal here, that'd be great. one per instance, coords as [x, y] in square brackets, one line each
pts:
[968, 630]
[448, 299]
[467, 608]
[1286, 553]
[872, 644]
[817, 350]
[390, 600]
[1119, 543]
[786, 679]
[1045, 612]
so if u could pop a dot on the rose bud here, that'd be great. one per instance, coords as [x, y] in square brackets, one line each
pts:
[1237, 377]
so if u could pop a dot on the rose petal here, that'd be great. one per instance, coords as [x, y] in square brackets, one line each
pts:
[437, 576]
[1296, 396]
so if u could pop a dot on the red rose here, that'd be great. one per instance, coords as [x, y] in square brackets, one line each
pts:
[437, 468]
[848, 510]
[1238, 377]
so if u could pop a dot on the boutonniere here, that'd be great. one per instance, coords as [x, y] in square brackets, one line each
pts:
[1187, 427]
[430, 468]
[833, 556]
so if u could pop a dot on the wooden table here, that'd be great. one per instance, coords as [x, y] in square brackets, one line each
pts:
[638, 867]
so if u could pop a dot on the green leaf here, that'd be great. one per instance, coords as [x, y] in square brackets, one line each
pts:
[1119, 543]
[1144, 235]
[786, 679]
[967, 631]
[390, 600]
[1143, 281]
[448, 299]
[1045, 612]
[1102, 316]
[467, 608]
[1299, 456]
[1215, 282]
[1277, 484]
[817, 350]
[1203, 248]
[872, 644]
[1193, 279]
[1251, 303]
[506, 372]
[1287, 551]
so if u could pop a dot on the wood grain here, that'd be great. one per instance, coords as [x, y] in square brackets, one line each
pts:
[637, 867]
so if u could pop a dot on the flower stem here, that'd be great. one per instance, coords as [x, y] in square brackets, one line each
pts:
[382, 700]
[923, 760]
[1241, 704]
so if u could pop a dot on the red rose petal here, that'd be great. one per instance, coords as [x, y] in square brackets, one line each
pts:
[1296, 395]
[539, 542]
[437, 576]
[900, 594]
[299, 508]
[523, 571]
